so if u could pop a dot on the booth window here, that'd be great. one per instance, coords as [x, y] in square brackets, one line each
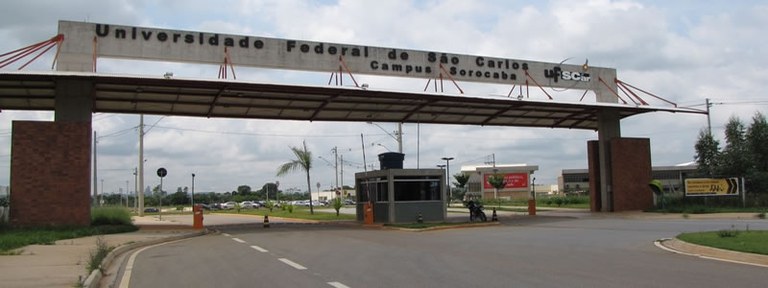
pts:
[377, 188]
[422, 188]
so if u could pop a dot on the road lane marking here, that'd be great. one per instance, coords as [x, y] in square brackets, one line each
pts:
[259, 248]
[125, 281]
[225, 234]
[337, 285]
[292, 264]
[238, 240]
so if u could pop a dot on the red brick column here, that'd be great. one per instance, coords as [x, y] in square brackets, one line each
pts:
[631, 172]
[50, 174]
[593, 163]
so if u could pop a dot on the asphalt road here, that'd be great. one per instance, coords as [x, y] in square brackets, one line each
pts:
[524, 252]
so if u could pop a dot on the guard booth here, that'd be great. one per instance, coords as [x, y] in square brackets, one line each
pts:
[401, 195]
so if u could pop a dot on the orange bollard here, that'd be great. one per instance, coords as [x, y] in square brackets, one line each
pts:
[368, 214]
[531, 207]
[197, 218]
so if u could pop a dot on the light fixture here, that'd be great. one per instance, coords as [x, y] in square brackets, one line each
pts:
[364, 86]
[168, 75]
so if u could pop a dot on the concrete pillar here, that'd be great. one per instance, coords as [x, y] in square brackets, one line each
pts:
[74, 101]
[608, 128]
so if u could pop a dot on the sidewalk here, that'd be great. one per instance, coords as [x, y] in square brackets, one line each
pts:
[64, 263]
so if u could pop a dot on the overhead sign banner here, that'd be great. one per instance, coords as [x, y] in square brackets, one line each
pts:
[511, 180]
[711, 186]
[83, 40]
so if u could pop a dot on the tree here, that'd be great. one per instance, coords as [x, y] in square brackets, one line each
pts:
[461, 182]
[303, 161]
[757, 137]
[497, 181]
[707, 153]
[337, 204]
[735, 158]
[243, 190]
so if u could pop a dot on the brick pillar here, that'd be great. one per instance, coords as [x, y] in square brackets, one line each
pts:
[593, 162]
[631, 172]
[50, 172]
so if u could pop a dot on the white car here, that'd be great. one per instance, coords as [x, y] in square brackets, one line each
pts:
[249, 204]
[228, 205]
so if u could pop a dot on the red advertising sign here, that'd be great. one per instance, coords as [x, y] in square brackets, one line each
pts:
[512, 180]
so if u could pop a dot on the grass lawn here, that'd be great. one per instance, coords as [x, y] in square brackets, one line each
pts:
[298, 213]
[11, 239]
[743, 241]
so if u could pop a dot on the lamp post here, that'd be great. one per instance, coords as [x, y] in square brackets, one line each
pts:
[398, 137]
[193, 191]
[448, 176]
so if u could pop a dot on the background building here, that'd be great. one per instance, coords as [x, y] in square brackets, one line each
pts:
[518, 178]
[576, 181]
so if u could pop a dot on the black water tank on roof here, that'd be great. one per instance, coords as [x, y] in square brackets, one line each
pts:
[391, 160]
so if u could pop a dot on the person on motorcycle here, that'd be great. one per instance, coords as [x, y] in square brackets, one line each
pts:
[475, 211]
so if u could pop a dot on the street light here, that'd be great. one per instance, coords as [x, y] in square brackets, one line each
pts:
[382, 145]
[193, 191]
[398, 137]
[448, 176]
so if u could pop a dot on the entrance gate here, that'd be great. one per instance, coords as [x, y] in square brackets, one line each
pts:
[76, 91]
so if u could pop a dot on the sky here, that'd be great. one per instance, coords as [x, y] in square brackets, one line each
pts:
[684, 51]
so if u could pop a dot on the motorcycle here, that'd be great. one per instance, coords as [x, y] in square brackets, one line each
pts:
[476, 213]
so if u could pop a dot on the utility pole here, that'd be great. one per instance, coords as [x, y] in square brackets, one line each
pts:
[95, 169]
[400, 137]
[709, 122]
[127, 192]
[342, 176]
[336, 165]
[141, 165]
[136, 188]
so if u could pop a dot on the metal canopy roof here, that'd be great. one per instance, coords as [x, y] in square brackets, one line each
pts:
[237, 99]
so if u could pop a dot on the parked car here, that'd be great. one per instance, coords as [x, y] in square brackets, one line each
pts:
[151, 210]
[249, 205]
[349, 202]
[228, 205]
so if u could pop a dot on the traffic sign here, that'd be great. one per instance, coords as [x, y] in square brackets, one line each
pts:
[162, 172]
[711, 186]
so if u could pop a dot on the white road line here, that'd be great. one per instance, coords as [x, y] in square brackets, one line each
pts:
[225, 234]
[259, 248]
[125, 281]
[292, 264]
[337, 285]
[238, 240]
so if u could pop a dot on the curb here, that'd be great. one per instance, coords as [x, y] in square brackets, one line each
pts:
[96, 275]
[709, 253]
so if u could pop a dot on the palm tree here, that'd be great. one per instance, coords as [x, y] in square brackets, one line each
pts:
[303, 161]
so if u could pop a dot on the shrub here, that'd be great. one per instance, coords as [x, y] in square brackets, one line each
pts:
[110, 216]
[99, 254]
[727, 233]
[290, 207]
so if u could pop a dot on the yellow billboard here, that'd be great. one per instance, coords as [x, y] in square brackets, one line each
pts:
[711, 186]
